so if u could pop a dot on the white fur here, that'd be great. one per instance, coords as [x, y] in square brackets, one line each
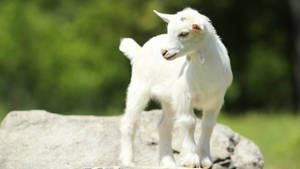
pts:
[197, 77]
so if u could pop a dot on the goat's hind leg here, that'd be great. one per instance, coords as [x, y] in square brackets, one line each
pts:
[166, 158]
[137, 99]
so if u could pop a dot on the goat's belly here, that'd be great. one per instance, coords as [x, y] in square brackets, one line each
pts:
[162, 91]
[160, 94]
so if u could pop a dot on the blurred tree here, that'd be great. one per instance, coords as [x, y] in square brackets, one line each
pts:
[295, 10]
[63, 55]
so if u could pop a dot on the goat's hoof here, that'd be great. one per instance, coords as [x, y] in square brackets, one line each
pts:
[206, 163]
[190, 160]
[127, 162]
[167, 162]
[205, 167]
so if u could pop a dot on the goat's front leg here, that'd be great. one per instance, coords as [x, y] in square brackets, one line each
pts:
[188, 155]
[208, 122]
[187, 121]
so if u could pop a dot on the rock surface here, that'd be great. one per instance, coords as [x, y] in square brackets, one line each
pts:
[41, 140]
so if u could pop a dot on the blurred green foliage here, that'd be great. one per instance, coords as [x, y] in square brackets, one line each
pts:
[276, 135]
[63, 56]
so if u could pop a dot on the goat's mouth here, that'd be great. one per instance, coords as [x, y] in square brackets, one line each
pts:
[166, 55]
[170, 57]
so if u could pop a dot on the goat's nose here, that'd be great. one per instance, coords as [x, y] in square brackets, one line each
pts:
[164, 52]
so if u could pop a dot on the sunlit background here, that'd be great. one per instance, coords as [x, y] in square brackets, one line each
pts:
[62, 56]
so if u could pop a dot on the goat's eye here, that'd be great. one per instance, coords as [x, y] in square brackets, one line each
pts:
[182, 18]
[183, 34]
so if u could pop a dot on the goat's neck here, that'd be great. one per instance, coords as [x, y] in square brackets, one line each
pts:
[209, 52]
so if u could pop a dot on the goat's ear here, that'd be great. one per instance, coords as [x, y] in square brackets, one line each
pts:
[165, 17]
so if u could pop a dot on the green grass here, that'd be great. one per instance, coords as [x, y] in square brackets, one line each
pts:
[277, 135]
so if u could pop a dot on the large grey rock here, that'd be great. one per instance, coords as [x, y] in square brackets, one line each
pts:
[42, 140]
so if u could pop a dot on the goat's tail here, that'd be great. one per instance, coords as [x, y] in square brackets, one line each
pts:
[129, 47]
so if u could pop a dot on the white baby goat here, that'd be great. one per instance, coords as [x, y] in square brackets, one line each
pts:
[198, 78]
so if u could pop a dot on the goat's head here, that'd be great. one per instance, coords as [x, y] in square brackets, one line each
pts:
[186, 29]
